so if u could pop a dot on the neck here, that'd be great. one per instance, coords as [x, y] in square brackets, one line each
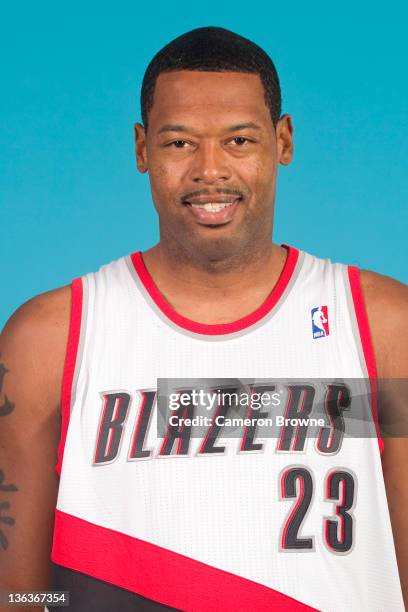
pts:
[213, 290]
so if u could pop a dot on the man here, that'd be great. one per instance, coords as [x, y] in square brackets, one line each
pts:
[147, 521]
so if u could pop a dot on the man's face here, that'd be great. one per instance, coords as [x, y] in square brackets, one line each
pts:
[212, 152]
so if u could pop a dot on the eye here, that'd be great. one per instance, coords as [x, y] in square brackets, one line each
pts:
[240, 140]
[178, 144]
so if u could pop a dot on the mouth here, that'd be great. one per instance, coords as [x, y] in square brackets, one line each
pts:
[214, 211]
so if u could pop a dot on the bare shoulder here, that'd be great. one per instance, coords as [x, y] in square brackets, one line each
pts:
[33, 344]
[40, 322]
[386, 301]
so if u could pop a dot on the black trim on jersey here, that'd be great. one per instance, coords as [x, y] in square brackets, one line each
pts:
[88, 594]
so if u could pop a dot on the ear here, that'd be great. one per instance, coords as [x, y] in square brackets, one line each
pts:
[140, 147]
[284, 139]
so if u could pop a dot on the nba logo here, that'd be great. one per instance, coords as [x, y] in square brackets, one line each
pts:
[320, 322]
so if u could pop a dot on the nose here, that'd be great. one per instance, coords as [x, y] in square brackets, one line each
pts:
[209, 164]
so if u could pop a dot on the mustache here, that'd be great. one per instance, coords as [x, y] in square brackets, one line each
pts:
[222, 191]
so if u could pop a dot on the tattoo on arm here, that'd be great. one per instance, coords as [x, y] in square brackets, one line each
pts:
[6, 407]
[5, 520]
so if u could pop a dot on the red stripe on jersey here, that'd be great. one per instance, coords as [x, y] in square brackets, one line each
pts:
[366, 342]
[157, 573]
[70, 362]
[217, 328]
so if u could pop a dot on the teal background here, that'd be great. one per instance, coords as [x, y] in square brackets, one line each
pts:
[70, 196]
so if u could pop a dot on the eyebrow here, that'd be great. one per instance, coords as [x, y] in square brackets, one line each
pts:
[244, 126]
[172, 127]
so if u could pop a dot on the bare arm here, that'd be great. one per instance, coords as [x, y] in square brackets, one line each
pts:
[32, 352]
[387, 310]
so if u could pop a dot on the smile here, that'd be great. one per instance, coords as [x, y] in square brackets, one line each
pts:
[218, 212]
[213, 206]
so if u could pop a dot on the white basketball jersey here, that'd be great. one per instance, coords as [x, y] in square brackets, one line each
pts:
[217, 522]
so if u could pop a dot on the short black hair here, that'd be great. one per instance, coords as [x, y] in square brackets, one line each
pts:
[213, 49]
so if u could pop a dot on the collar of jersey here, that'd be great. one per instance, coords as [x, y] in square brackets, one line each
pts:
[213, 329]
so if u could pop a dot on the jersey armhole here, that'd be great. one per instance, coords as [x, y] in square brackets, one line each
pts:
[70, 365]
[366, 343]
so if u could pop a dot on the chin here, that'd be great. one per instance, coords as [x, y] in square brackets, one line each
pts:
[218, 247]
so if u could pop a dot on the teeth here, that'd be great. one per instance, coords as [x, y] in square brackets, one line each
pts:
[212, 206]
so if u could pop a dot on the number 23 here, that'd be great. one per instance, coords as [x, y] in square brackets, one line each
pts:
[297, 483]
